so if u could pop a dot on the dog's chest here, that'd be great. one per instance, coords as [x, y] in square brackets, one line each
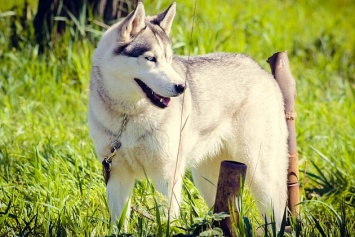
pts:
[140, 147]
[147, 143]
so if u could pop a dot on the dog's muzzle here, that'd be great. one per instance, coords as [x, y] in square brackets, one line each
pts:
[158, 100]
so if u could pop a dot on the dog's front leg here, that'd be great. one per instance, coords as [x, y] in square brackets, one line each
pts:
[175, 186]
[174, 195]
[170, 189]
[118, 191]
[166, 187]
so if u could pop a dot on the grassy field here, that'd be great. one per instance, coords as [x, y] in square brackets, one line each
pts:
[50, 180]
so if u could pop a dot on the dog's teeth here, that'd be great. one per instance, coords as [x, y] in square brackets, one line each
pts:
[161, 100]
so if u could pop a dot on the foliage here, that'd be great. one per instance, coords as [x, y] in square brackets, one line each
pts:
[50, 179]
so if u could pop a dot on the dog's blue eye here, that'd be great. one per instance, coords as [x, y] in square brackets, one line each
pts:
[151, 59]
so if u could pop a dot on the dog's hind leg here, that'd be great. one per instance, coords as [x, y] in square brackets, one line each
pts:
[118, 191]
[205, 176]
[269, 188]
[264, 151]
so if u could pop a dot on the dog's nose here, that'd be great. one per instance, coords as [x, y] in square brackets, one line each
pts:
[180, 88]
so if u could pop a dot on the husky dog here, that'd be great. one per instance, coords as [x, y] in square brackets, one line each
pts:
[164, 112]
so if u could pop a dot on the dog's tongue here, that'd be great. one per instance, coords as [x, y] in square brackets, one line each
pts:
[166, 101]
[163, 100]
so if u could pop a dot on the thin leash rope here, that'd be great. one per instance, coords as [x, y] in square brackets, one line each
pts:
[115, 146]
[182, 112]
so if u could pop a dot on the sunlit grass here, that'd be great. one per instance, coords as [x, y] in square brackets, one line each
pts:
[51, 182]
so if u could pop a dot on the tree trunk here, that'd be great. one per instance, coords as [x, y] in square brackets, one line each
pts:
[111, 10]
[45, 25]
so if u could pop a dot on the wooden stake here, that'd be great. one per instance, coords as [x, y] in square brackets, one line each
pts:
[231, 179]
[280, 68]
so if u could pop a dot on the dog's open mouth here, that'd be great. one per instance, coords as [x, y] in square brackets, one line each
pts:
[160, 101]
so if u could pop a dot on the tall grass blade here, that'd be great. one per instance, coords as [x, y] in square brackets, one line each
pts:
[283, 224]
[248, 227]
[122, 222]
[157, 214]
[319, 227]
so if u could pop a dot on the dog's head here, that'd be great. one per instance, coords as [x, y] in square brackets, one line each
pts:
[135, 58]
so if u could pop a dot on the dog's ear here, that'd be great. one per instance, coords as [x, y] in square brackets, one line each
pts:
[165, 19]
[134, 23]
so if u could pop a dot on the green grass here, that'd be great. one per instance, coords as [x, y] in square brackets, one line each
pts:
[51, 182]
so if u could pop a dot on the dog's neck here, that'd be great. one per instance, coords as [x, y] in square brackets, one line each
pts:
[98, 88]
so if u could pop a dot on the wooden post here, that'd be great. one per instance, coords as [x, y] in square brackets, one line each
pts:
[280, 68]
[231, 179]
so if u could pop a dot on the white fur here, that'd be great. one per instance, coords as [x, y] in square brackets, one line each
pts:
[232, 110]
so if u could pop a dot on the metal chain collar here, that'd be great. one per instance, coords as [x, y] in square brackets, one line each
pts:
[115, 146]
